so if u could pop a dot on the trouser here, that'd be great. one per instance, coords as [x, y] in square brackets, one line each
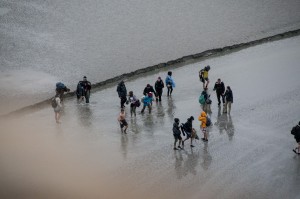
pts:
[227, 107]
[149, 107]
[218, 96]
[206, 108]
[170, 89]
[87, 97]
[123, 101]
[132, 110]
[158, 95]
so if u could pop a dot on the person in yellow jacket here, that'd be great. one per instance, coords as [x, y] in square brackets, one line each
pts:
[203, 75]
[202, 119]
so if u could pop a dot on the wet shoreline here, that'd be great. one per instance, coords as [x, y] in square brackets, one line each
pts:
[167, 65]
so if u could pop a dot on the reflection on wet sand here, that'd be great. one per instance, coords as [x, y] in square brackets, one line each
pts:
[187, 164]
[171, 108]
[85, 114]
[224, 123]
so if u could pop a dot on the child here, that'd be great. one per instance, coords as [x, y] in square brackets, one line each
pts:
[147, 100]
[122, 121]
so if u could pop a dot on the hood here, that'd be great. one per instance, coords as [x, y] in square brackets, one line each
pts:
[203, 114]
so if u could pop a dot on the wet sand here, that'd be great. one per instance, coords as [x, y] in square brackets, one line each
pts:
[249, 154]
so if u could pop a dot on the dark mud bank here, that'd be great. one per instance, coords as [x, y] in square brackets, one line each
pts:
[168, 65]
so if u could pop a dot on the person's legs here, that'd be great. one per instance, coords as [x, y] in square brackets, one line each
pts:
[131, 110]
[87, 97]
[218, 97]
[134, 110]
[159, 96]
[149, 107]
[123, 100]
[175, 140]
[168, 90]
[225, 107]
[229, 107]
[180, 140]
[171, 90]
[143, 109]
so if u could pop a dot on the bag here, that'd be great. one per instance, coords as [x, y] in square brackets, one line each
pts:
[208, 101]
[137, 103]
[208, 121]
[53, 102]
[201, 99]
[60, 85]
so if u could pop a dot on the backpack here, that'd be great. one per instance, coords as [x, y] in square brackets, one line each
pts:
[60, 85]
[208, 121]
[202, 99]
[53, 102]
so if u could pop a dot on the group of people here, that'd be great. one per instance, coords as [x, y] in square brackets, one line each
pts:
[149, 93]
[83, 91]
[205, 101]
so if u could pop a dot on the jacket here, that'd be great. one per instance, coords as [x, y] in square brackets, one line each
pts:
[148, 90]
[202, 119]
[121, 89]
[229, 96]
[176, 129]
[219, 87]
[169, 81]
[159, 85]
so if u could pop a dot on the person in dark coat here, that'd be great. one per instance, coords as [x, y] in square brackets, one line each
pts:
[84, 90]
[220, 89]
[159, 85]
[296, 132]
[228, 100]
[122, 92]
[149, 89]
[176, 133]
[189, 130]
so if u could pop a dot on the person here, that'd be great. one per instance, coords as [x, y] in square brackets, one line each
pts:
[122, 92]
[296, 132]
[122, 121]
[176, 133]
[147, 100]
[57, 107]
[149, 89]
[189, 130]
[220, 89]
[170, 83]
[159, 85]
[228, 100]
[202, 119]
[203, 75]
[83, 90]
[133, 103]
[61, 89]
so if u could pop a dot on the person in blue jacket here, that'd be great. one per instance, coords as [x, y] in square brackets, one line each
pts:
[147, 100]
[170, 83]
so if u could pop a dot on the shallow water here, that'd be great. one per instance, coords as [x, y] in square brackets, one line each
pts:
[43, 42]
[249, 153]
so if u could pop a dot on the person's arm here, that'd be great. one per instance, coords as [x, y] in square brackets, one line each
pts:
[215, 87]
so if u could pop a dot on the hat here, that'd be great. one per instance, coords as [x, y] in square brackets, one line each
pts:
[148, 85]
[84, 77]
